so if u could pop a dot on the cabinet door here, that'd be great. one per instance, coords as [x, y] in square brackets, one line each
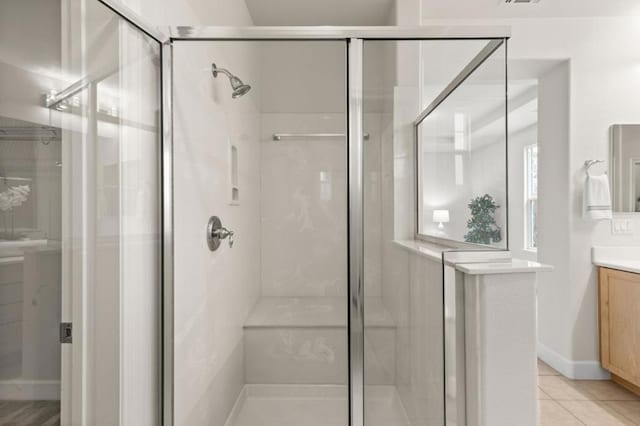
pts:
[620, 323]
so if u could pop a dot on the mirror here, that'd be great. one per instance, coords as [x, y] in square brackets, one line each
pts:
[625, 167]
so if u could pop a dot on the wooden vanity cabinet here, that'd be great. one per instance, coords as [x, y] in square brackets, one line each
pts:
[619, 310]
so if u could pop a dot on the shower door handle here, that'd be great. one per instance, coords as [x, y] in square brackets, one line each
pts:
[216, 233]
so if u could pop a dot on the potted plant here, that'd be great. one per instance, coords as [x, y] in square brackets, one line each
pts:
[482, 225]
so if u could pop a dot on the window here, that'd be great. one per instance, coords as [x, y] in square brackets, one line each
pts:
[531, 196]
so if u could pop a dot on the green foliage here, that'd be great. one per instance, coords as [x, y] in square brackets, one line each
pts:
[482, 226]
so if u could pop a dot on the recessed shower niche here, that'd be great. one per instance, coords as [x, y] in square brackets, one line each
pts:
[234, 188]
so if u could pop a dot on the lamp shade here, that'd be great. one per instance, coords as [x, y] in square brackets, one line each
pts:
[441, 216]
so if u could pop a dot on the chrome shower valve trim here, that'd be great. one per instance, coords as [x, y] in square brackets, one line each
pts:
[216, 233]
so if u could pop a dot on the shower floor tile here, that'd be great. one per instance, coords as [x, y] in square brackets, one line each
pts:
[312, 405]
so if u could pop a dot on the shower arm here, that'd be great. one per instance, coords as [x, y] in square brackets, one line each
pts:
[215, 70]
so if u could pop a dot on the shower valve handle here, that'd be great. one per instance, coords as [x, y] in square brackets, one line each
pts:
[216, 233]
[224, 233]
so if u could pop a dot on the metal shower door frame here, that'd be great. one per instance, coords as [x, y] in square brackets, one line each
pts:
[354, 37]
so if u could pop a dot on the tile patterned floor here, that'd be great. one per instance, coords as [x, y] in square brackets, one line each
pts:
[565, 402]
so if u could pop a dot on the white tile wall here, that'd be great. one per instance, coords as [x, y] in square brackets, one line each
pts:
[304, 207]
[303, 201]
[214, 290]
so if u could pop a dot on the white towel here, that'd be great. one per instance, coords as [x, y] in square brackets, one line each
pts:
[597, 198]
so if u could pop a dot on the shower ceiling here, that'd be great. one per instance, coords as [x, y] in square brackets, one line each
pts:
[326, 12]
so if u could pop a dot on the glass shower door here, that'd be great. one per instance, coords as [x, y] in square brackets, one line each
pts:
[420, 174]
[261, 323]
[403, 315]
[30, 216]
[112, 221]
[79, 216]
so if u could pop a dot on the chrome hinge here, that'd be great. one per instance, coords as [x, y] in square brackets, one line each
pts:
[66, 332]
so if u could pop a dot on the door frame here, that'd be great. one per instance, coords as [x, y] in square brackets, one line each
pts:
[354, 37]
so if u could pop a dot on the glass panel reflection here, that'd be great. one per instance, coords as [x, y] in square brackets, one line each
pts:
[462, 160]
[79, 216]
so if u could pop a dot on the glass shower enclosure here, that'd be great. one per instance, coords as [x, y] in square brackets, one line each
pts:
[232, 220]
[80, 146]
[306, 310]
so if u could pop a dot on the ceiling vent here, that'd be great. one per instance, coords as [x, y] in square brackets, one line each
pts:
[521, 1]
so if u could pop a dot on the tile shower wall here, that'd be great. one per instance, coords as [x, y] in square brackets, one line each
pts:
[304, 207]
[214, 290]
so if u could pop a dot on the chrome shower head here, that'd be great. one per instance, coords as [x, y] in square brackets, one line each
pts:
[239, 88]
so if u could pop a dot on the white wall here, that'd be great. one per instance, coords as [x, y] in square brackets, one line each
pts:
[603, 72]
[601, 75]
[608, 77]
[554, 290]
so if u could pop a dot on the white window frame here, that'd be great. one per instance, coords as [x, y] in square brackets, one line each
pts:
[530, 199]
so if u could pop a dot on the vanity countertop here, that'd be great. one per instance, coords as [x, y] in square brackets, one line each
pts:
[621, 258]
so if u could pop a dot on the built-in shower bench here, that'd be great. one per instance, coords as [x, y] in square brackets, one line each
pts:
[313, 312]
[304, 340]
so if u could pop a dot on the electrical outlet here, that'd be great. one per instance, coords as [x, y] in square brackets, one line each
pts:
[621, 226]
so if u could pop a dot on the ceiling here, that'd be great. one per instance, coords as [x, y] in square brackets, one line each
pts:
[320, 12]
[481, 100]
[378, 12]
[487, 9]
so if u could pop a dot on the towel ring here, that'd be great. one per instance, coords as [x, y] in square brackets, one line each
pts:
[589, 163]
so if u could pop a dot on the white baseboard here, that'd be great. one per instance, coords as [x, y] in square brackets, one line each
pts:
[48, 390]
[578, 370]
